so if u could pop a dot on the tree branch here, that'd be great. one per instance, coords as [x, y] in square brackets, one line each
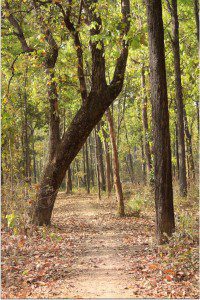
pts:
[13, 21]
[118, 78]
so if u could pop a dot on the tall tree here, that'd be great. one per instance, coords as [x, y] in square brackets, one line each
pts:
[165, 223]
[179, 97]
[117, 181]
[145, 123]
[94, 103]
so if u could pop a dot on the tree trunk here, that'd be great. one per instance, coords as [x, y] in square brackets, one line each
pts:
[69, 181]
[117, 181]
[196, 11]
[96, 102]
[87, 167]
[91, 160]
[177, 154]
[108, 163]
[100, 159]
[97, 164]
[191, 167]
[145, 125]
[129, 156]
[165, 223]
[179, 100]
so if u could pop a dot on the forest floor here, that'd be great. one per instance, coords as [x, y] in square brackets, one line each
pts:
[90, 252]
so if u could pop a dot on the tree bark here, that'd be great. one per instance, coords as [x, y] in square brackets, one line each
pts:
[108, 164]
[196, 11]
[179, 98]
[165, 223]
[189, 148]
[69, 181]
[117, 181]
[87, 167]
[100, 160]
[97, 164]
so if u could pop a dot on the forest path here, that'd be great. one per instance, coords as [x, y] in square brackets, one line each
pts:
[90, 252]
[102, 251]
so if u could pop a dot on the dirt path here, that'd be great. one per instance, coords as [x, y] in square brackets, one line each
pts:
[101, 266]
[89, 252]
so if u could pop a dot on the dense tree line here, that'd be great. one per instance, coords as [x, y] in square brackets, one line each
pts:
[96, 93]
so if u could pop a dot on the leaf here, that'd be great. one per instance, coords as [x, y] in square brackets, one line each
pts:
[168, 277]
[169, 271]
[154, 266]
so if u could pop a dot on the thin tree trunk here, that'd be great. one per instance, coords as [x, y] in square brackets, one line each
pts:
[165, 223]
[97, 164]
[91, 160]
[145, 125]
[177, 154]
[130, 158]
[108, 163]
[189, 147]
[69, 181]
[87, 167]
[179, 98]
[196, 11]
[117, 181]
[100, 158]
[34, 163]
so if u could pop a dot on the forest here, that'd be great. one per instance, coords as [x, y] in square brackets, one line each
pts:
[99, 140]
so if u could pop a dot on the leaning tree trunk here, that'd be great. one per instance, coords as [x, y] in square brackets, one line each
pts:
[165, 223]
[117, 181]
[94, 105]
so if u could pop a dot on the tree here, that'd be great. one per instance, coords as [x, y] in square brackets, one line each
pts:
[165, 223]
[179, 97]
[94, 103]
[117, 181]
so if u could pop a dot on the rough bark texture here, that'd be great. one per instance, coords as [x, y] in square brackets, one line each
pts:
[160, 118]
[179, 99]
[117, 181]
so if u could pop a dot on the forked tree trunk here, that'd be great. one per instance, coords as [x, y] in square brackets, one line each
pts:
[94, 105]
[117, 181]
[165, 223]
